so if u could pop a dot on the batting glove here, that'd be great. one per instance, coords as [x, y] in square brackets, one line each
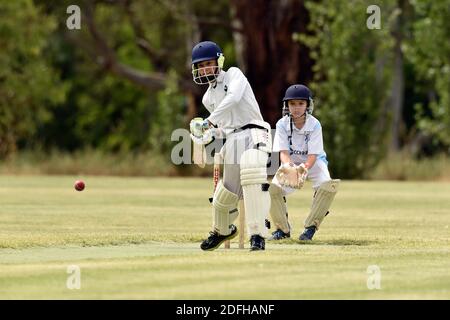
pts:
[198, 126]
[208, 136]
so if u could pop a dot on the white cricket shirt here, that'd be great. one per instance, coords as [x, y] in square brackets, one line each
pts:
[231, 101]
[305, 141]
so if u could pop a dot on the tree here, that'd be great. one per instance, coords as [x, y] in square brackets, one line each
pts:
[430, 54]
[127, 58]
[118, 64]
[266, 50]
[29, 86]
[401, 17]
[351, 83]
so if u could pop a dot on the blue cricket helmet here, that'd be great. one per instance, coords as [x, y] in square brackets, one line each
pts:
[205, 50]
[298, 92]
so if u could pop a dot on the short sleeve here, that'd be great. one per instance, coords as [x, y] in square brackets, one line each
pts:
[315, 143]
[281, 141]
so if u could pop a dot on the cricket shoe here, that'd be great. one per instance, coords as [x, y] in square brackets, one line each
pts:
[257, 243]
[215, 239]
[279, 234]
[308, 233]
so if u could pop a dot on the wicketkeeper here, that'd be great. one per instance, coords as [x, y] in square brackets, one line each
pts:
[298, 138]
[234, 115]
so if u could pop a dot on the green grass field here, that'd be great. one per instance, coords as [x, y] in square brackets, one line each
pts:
[138, 238]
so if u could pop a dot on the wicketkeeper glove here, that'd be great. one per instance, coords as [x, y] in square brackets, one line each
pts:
[290, 175]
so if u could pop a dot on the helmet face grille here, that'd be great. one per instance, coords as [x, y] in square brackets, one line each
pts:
[207, 78]
[205, 51]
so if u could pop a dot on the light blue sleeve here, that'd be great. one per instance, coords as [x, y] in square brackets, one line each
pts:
[315, 143]
[280, 141]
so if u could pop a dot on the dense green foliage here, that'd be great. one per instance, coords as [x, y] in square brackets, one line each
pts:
[354, 70]
[60, 90]
[351, 84]
[431, 57]
[29, 86]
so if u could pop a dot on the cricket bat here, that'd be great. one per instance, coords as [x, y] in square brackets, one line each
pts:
[241, 224]
[199, 154]
[216, 177]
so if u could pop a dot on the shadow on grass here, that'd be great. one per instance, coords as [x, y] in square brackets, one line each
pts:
[331, 242]
[317, 242]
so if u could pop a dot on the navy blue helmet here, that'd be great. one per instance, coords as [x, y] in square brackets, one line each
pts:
[204, 51]
[298, 92]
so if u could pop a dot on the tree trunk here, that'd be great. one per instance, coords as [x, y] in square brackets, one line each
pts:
[397, 97]
[271, 59]
[398, 81]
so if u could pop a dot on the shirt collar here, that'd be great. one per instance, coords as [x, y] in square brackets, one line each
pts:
[306, 126]
[219, 79]
[221, 76]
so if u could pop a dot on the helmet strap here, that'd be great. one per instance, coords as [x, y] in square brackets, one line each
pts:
[291, 150]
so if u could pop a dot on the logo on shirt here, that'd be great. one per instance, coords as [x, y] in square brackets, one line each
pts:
[300, 153]
[306, 137]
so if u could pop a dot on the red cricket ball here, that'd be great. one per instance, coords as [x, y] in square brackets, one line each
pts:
[79, 185]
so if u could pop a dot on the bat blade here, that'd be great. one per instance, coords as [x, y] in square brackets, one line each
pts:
[199, 155]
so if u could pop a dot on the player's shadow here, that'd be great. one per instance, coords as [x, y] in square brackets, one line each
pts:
[339, 242]
[330, 242]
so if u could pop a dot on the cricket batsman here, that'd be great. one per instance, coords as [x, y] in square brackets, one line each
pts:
[234, 115]
[298, 138]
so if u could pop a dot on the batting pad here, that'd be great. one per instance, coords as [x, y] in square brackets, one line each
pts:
[224, 201]
[278, 209]
[253, 167]
[256, 201]
[321, 203]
